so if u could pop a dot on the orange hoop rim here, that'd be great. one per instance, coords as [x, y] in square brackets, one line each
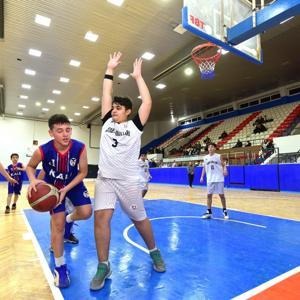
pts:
[200, 58]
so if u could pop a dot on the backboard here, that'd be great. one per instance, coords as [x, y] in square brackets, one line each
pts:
[211, 19]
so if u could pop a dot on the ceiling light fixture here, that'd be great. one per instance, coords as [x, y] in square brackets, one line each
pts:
[64, 79]
[160, 86]
[41, 20]
[26, 86]
[116, 2]
[90, 36]
[148, 55]
[30, 72]
[123, 75]
[188, 71]
[74, 63]
[34, 52]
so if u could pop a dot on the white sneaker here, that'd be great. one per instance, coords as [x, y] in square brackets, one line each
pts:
[207, 215]
[225, 214]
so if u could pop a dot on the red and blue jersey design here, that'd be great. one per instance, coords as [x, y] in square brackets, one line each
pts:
[61, 168]
[15, 173]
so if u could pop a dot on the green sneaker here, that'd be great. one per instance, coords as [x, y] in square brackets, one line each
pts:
[158, 263]
[103, 272]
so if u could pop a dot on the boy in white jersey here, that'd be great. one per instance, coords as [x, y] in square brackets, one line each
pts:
[144, 173]
[215, 169]
[118, 178]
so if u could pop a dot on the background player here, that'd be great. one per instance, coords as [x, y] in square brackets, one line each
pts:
[16, 171]
[65, 164]
[144, 173]
[118, 176]
[215, 169]
[6, 175]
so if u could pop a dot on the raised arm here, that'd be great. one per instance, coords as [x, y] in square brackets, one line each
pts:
[145, 108]
[114, 61]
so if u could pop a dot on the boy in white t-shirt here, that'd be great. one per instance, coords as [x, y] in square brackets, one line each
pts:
[144, 173]
[215, 169]
[118, 177]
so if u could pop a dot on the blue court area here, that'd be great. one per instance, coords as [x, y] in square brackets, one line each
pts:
[206, 259]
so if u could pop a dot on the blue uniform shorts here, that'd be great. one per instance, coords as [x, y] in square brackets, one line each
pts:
[14, 188]
[78, 196]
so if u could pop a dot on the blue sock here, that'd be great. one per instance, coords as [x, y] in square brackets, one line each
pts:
[68, 227]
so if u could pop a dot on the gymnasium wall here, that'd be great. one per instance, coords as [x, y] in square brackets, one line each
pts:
[17, 136]
[285, 177]
[288, 144]
[153, 130]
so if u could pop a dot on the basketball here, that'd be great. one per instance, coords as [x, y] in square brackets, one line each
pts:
[45, 198]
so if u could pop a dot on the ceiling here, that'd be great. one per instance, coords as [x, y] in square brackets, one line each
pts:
[136, 27]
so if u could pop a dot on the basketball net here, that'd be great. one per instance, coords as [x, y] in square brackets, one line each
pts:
[206, 57]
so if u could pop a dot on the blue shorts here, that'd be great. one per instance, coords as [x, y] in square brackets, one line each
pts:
[78, 195]
[15, 188]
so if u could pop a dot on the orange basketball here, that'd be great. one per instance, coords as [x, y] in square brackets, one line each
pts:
[45, 198]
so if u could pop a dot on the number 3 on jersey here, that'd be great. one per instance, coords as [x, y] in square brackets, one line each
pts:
[212, 167]
[115, 144]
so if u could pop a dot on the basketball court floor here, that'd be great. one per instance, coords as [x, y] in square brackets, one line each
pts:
[254, 254]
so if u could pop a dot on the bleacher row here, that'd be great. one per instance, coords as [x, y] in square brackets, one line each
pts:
[240, 128]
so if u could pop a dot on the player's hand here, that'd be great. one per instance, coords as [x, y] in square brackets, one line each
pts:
[225, 172]
[62, 195]
[32, 186]
[201, 179]
[114, 60]
[12, 180]
[137, 69]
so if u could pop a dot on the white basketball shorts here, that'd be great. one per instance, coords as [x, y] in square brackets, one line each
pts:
[215, 188]
[108, 191]
[144, 185]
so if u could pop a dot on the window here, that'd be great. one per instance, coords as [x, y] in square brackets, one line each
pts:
[254, 102]
[276, 96]
[265, 99]
[244, 105]
[294, 91]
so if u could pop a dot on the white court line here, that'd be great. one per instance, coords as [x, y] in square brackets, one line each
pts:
[57, 295]
[130, 241]
[241, 222]
[267, 285]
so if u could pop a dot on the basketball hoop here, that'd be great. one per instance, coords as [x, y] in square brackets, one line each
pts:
[206, 57]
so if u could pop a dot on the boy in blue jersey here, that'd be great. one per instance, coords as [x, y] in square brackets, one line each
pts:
[6, 175]
[16, 171]
[64, 161]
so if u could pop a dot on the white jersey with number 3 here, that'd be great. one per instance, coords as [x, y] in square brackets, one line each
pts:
[119, 150]
[213, 168]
